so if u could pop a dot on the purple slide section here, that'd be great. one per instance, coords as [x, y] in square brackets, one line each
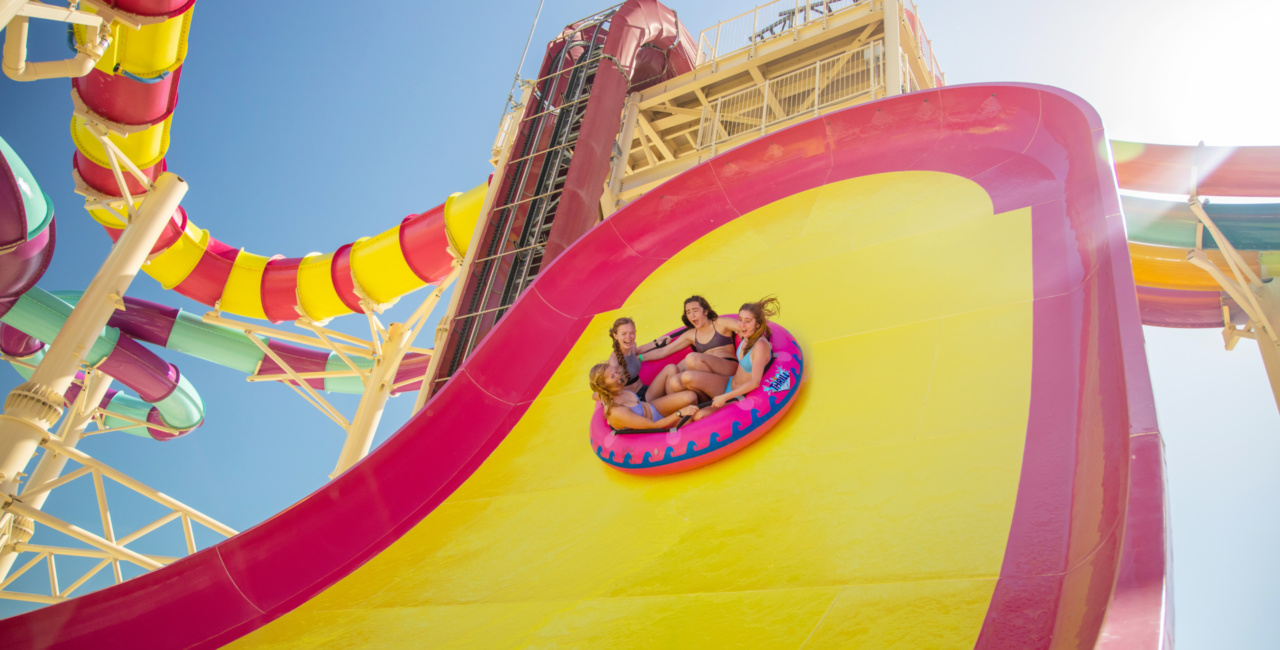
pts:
[1186, 309]
[152, 323]
[16, 343]
[299, 358]
[24, 259]
[141, 369]
[146, 321]
[22, 267]
[133, 365]
[74, 391]
[413, 365]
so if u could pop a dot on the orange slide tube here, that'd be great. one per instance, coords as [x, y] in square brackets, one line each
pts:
[1166, 267]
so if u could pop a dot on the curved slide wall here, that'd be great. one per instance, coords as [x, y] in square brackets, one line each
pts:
[975, 460]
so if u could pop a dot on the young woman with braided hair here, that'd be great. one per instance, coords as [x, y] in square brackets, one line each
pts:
[753, 354]
[624, 410]
[626, 354]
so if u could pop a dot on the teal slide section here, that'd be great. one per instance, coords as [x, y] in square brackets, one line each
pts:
[1248, 226]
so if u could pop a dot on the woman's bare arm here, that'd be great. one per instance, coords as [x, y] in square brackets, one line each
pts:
[621, 417]
[727, 326]
[760, 355]
[681, 342]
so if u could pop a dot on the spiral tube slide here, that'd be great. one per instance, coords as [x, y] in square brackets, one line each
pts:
[135, 87]
[37, 317]
[167, 398]
[27, 244]
[32, 317]
[27, 228]
[175, 402]
[974, 462]
[181, 331]
[22, 346]
[1172, 292]
[122, 410]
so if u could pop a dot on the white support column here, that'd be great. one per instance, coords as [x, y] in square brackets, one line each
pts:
[376, 393]
[1268, 296]
[36, 405]
[396, 342]
[892, 47]
[52, 463]
[630, 120]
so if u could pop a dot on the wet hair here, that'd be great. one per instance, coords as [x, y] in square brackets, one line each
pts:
[617, 349]
[763, 310]
[702, 302]
[596, 379]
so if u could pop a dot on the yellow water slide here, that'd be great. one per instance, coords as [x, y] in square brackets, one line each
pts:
[972, 460]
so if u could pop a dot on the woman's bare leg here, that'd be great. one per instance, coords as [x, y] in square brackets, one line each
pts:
[659, 386]
[711, 363]
[706, 383]
[674, 385]
[669, 404]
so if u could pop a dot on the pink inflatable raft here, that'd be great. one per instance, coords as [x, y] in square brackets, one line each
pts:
[695, 444]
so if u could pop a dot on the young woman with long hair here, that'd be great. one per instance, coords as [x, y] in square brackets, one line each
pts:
[711, 338]
[753, 355]
[624, 409]
[627, 355]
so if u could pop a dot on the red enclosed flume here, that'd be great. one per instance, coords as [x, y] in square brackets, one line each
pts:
[549, 190]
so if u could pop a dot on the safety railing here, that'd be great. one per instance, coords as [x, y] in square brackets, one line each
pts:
[806, 91]
[916, 28]
[763, 23]
[909, 82]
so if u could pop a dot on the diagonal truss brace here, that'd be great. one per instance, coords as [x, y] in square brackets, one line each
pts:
[386, 348]
[1258, 297]
[19, 514]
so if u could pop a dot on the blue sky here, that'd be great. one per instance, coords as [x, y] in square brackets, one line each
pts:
[300, 129]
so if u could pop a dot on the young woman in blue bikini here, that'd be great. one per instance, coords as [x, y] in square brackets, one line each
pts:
[624, 409]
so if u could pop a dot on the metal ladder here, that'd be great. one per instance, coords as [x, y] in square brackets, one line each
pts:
[510, 252]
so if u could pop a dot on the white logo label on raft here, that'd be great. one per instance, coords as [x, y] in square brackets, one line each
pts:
[780, 383]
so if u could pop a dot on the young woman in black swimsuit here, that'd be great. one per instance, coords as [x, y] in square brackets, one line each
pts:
[711, 338]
